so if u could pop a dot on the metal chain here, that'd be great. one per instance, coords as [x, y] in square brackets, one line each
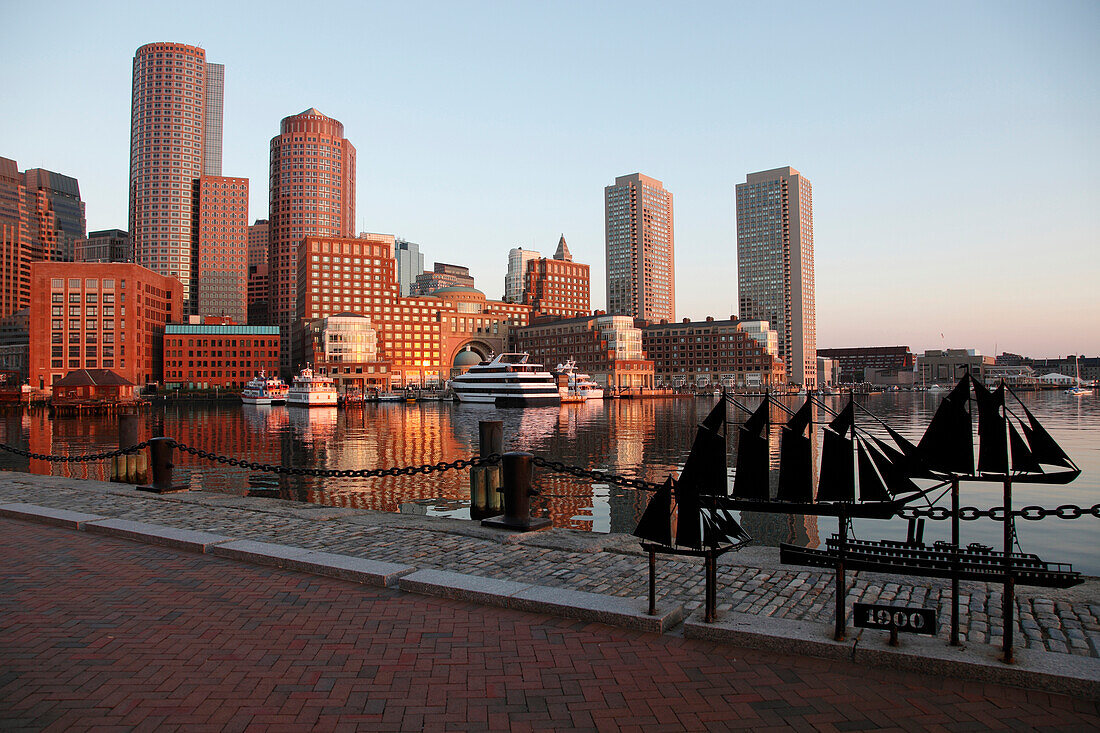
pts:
[599, 476]
[1031, 513]
[74, 459]
[340, 473]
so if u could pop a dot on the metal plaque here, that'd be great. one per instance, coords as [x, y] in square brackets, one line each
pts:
[894, 618]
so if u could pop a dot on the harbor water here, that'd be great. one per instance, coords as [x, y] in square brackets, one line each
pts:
[647, 439]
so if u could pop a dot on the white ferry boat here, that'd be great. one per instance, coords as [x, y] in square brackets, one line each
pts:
[507, 380]
[312, 390]
[264, 390]
[579, 385]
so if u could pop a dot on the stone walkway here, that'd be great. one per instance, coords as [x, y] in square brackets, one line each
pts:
[98, 633]
[751, 581]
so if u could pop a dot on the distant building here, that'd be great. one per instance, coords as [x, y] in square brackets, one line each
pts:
[641, 272]
[106, 245]
[516, 277]
[211, 352]
[92, 315]
[609, 348]
[710, 353]
[258, 243]
[258, 296]
[443, 276]
[14, 340]
[855, 361]
[948, 366]
[222, 252]
[557, 286]
[762, 333]
[410, 263]
[775, 264]
[828, 371]
[345, 347]
[41, 220]
[310, 151]
[175, 137]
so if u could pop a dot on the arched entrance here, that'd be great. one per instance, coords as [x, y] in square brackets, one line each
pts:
[469, 354]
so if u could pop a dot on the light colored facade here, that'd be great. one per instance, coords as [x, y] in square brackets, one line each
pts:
[442, 276]
[641, 273]
[222, 250]
[410, 263]
[516, 277]
[948, 366]
[212, 117]
[168, 153]
[763, 334]
[312, 193]
[775, 264]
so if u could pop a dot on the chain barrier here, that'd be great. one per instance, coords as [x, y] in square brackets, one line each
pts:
[74, 459]
[967, 513]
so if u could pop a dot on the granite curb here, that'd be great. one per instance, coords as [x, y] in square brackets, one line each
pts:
[1033, 669]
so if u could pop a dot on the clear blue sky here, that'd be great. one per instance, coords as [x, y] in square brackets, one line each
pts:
[954, 148]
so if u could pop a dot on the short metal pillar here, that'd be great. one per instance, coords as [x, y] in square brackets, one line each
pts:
[485, 481]
[518, 474]
[132, 468]
[160, 459]
[652, 583]
[840, 627]
[955, 562]
[710, 612]
[1010, 579]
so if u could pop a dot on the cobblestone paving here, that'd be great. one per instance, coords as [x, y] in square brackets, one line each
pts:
[100, 634]
[1056, 621]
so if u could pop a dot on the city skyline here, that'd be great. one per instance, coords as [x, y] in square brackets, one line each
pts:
[928, 146]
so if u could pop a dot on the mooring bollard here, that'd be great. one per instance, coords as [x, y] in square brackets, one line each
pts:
[160, 459]
[485, 480]
[132, 468]
[518, 468]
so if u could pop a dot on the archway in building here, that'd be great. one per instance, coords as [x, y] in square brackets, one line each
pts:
[469, 354]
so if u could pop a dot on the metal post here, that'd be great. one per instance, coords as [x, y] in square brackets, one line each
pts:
[518, 469]
[840, 624]
[160, 459]
[129, 468]
[954, 562]
[1010, 580]
[709, 613]
[652, 583]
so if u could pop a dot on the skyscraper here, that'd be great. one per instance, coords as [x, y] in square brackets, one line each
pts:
[410, 263]
[312, 192]
[775, 264]
[516, 275]
[641, 275]
[175, 136]
[557, 286]
[222, 252]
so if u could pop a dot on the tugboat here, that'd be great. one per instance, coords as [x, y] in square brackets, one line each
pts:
[264, 390]
[312, 390]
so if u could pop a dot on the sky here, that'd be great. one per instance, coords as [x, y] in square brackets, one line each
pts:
[953, 148]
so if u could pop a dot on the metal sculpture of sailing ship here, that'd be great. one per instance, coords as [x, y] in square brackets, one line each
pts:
[864, 476]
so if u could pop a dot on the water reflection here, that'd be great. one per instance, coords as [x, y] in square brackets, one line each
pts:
[646, 439]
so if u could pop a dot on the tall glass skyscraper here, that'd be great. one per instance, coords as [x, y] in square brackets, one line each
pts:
[410, 263]
[775, 264]
[175, 136]
[641, 273]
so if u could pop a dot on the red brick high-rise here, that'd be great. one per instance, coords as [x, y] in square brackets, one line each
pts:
[557, 286]
[175, 137]
[222, 267]
[312, 193]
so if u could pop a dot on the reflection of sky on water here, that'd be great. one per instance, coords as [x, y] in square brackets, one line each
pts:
[645, 439]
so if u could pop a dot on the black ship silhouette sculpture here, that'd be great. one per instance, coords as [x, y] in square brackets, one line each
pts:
[863, 476]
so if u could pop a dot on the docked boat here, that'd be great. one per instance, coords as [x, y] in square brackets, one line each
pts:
[312, 390]
[1078, 389]
[507, 379]
[578, 387]
[264, 390]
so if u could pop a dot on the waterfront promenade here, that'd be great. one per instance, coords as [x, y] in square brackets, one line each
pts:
[752, 585]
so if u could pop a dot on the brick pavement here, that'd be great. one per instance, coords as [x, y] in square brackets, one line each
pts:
[1055, 621]
[100, 633]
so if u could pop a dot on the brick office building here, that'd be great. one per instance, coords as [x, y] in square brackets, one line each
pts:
[608, 348]
[710, 353]
[557, 286]
[222, 252]
[93, 315]
[214, 352]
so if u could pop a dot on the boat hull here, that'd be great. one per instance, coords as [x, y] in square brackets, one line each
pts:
[886, 556]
